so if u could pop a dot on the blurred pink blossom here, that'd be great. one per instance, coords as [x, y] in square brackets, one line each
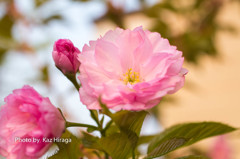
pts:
[26, 118]
[221, 149]
[129, 70]
[65, 56]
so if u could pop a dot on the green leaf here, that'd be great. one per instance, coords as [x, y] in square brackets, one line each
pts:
[111, 129]
[145, 139]
[94, 115]
[183, 135]
[193, 157]
[70, 149]
[130, 124]
[90, 141]
[129, 121]
[117, 145]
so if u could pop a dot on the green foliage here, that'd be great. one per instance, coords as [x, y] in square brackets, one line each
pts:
[90, 141]
[129, 122]
[125, 129]
[69, 150]
[118, 145]
[183, 135]
[120, 135]
[145, 139]
[111, 128]
[6, 24]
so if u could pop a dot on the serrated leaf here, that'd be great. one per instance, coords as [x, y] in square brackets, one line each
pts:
[70, 150]
[183, 135]
[117, 145]
[129, 121]
[167, 146]
[193, 157]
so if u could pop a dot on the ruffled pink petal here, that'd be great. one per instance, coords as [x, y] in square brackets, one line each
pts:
[175, 67]
[112, 35]
[96, 76]
[107, 57]
[155, 67]
[143, 52]
[159, 44]
[127, 43]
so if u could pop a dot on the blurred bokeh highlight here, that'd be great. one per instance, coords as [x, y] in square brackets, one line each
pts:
[206, 31]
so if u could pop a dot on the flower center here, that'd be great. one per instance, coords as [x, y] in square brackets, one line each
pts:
[131, 77]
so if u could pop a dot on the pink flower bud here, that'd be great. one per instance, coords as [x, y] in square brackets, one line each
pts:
[28, 124]
[65, 56]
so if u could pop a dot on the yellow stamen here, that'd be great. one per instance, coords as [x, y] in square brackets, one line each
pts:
[131, 77]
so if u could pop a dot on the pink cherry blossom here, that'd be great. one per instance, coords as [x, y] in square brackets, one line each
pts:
[65, 56]
[27, 116]
[129, 70]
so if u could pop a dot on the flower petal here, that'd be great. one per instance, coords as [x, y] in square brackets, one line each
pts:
[107, 56]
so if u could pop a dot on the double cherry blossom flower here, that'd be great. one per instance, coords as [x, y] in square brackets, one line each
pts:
[129, 70]
[27, 116]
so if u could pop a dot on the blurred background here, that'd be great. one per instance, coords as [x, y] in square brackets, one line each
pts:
[206, 31]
